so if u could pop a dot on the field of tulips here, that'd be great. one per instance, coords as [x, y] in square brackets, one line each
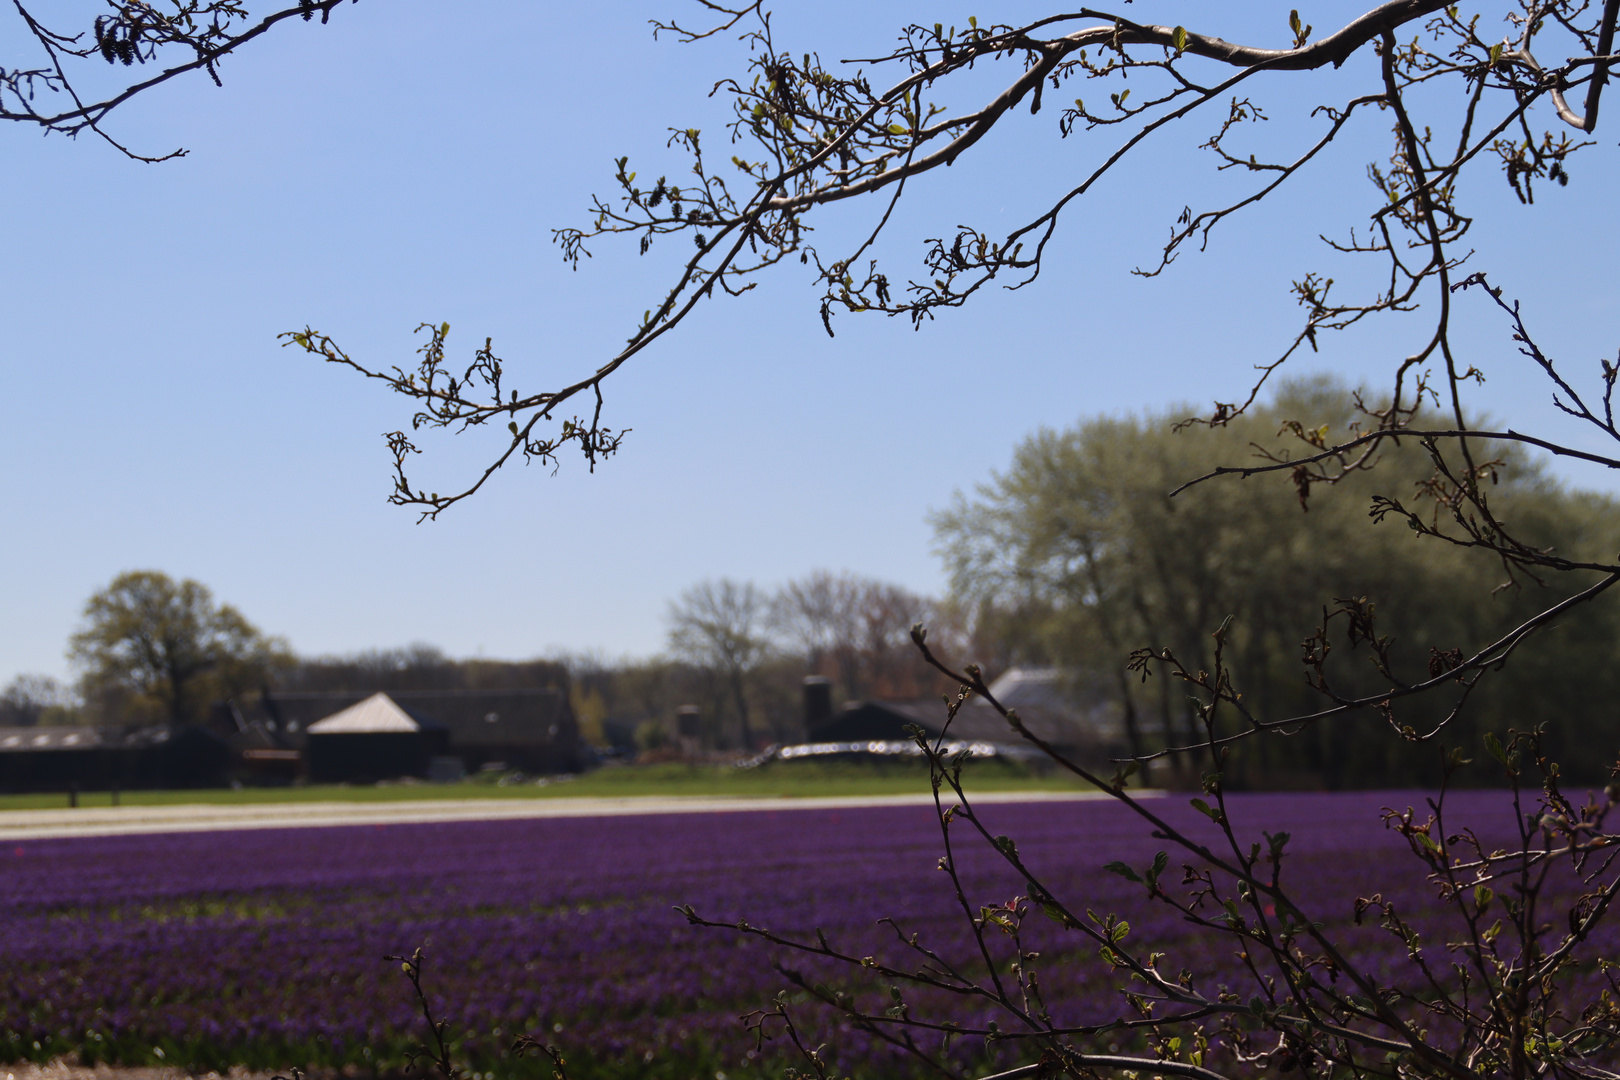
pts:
[265, 948]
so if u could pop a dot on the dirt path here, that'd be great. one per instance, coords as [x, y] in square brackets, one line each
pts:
[121, 820]
[63, 1070]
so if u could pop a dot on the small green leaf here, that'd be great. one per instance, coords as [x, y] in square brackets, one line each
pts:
[1117, 934]
[1494, 745]
[898, 129]
[1124, 871]
[1483, 895]
[1179, 37]
[1208, 811]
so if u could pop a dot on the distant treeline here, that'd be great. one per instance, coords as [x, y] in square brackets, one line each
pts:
[1074, 557]
[417, 667]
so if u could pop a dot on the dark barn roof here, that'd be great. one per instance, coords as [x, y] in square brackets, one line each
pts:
[1048, 702]
[57, 758]
[879, 721]
[54, 758]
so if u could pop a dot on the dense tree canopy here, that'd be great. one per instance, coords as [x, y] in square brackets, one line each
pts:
[157, 649]
[1081, 542]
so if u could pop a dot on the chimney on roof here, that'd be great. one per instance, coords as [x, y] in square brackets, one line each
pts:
[817, 700]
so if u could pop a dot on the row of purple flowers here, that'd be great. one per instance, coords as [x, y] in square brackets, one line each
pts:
[265, 948]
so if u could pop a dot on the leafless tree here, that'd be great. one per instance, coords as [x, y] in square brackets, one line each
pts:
[32, 699]
[719, 626]
[853, 629]
[816, 614]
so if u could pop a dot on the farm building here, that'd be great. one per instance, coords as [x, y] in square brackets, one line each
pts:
[373, 739]
[1053, 704]
[527, 729]
[878, 721]
[55, 758]
[110, 758]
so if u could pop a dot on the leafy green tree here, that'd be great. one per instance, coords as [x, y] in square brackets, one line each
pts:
[158, 649]
[1083, 536]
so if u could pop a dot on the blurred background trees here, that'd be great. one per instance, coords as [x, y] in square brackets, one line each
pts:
[155, 649]
[854, 630]
[419, 666]
[1073, 556]
[1081, 541]
[718, 626]
[36, 699]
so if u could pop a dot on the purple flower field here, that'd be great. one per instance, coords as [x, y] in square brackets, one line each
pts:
[265, 947]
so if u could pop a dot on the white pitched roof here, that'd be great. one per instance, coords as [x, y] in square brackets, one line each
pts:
[377, 713]
[1021, 688]
[1055, 702]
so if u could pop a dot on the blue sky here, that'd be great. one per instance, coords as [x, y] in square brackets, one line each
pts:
[398, 166]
